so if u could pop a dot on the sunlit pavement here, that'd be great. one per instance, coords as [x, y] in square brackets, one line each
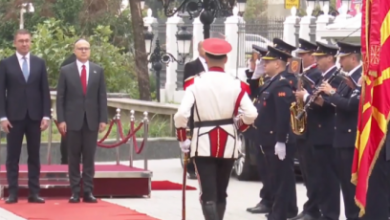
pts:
[166, 205]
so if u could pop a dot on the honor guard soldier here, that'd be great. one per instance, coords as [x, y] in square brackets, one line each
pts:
[192, 69]
[287, 48]
[320, 133]
[346, 117]
[274, 132]
[255, 74]
[312, 75]
[215, 142]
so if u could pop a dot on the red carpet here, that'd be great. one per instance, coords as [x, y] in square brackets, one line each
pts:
[62, 210]
[167, 185]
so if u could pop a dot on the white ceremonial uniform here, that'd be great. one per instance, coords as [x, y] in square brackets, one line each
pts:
[216, 98]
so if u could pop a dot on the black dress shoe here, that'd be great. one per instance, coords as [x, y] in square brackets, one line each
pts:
[11, 199]
[75, 198]
[35, 199]
[89, 198]
[289, 216]
[192, 176]
[303, 216]
[259, 209]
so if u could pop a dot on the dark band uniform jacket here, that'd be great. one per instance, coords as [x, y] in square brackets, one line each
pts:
[320, 119]
[273, 104]
[287, 48]
[215, 105]
[346, 103]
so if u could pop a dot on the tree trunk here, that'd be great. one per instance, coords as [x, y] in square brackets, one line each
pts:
[141, 58]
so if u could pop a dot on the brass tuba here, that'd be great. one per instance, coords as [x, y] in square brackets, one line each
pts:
[298, 125]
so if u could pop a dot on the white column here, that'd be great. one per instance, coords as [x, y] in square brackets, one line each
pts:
[171, 47]
[322, 21]
[289, 27]
[304, 29]
[231, 35]
[197, 36]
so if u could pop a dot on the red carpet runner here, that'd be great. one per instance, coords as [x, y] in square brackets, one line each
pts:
[167, 185]
[62, 210]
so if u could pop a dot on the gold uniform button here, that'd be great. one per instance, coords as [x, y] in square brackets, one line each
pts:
[271, 132]
[349, 130]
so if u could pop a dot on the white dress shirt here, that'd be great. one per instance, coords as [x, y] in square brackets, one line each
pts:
[354, 69]
[21, 60]
[80, 68]
[204, 64]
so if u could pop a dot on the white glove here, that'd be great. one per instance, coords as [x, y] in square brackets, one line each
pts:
[259, 70]
[280, 150]
[185, 146]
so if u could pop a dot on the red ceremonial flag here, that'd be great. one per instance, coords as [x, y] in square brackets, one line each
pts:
[375, 96]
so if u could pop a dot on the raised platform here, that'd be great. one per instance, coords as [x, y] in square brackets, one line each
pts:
[109, 181]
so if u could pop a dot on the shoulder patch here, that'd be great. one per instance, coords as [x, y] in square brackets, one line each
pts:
[281, 94]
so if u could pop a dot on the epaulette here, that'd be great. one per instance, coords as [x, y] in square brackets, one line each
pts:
[189, 81]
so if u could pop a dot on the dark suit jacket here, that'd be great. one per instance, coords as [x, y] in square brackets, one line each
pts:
[19, 98]
[192, 68]
[72, 104]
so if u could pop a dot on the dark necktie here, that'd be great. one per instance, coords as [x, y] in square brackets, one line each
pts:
[84, 79]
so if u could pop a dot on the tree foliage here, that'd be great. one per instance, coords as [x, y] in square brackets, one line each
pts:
[53, 42]
[255, 9]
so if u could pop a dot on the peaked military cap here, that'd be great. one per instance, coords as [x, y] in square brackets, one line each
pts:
[276, 54]
[216, 46]
[283, 46]
[306, 46]
[324, 49]
[263, 51]
[348, 48]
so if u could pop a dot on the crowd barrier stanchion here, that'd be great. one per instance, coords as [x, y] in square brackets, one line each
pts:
[118, 135]
[146, 130]
[49, 137]
[131, 146]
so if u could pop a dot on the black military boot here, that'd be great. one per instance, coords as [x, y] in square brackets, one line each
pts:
[210, 210]
[221, 210]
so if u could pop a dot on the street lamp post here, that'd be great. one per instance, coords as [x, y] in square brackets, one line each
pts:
[25, 8]
[158, 56]
[208, 9]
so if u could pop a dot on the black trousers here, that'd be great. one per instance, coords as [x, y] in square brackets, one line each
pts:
[32, 130]
[283, 180]
[213, 177]
[81, 143]
[266, 194]
[64, 151]
[311, 179]
[190, 167]
[344, 160]
[377, 204]
[329, 198]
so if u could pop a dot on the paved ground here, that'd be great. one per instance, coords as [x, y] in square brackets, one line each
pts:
[166, 205]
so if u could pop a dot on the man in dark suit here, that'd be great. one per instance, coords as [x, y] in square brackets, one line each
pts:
[192, 69]
[82, 113]
[24, 110]
[63, 148]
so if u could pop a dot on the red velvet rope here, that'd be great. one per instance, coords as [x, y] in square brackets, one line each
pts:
[137, 150]
[131, 133]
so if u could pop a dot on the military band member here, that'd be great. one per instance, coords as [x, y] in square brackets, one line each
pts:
[192, 69]
[304, 149]
[320, 133]
[274, 132]
[255, 71]
[287, 48]
[214, 144]
[347, 107]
